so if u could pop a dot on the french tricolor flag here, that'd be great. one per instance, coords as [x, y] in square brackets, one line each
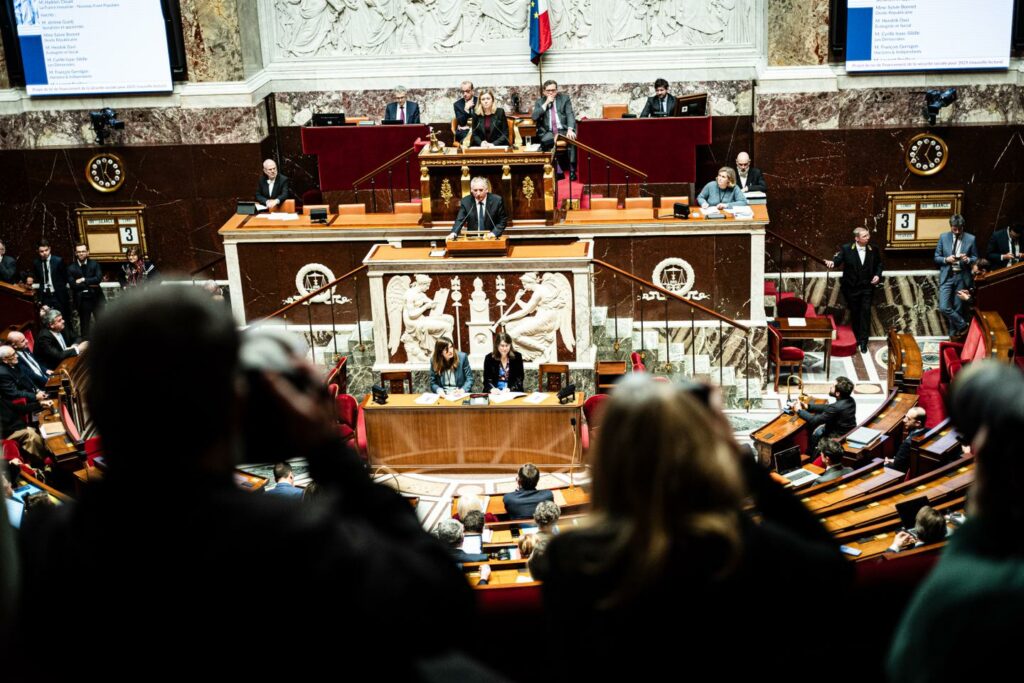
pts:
[540, 29]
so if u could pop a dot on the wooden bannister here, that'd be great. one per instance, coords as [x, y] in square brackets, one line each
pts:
[383, 167]
[605, 157]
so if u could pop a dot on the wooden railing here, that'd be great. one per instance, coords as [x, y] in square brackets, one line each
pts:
[780, 263]
[389, 167]
[693, 307]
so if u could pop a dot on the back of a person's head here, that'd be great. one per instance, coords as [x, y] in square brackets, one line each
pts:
[929, 525]
[546, 513]
[832, 451]
[528, 476]
[986, 405]
[473, 522]
[666, 472]
[469, 502]
[162, 378]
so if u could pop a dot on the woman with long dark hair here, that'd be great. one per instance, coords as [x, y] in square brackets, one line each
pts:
[449, 369]
[503, 367]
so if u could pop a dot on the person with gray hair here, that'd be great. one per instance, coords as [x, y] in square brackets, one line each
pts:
[51, 345]
[862, 271]
[451, 533]
[402, 110]
[20, 398]
[481, 210]
[28, 365]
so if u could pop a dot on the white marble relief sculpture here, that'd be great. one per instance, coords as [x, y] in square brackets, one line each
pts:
[306, 29]
[535, 323]
[421, 316]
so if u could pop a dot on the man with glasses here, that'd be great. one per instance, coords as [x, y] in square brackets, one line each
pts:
[463, 110]
[554, 116]
[749, 179]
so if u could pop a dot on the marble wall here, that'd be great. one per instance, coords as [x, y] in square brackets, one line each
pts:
[189, 191]
[213, 46]
[797, 32]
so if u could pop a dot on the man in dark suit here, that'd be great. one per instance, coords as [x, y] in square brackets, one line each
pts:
[832, 456]
[451, 533]
[1004, 249]
[521, 503]
[28, 366]
[402, 109]
[831, 420]
[481, 210]
[85, 276]
[749, 179]
[8, 266]
[14, 386]
[49, 273]
[662, 104]
[273, 187]
[463, 110]
[955, 253]
[554, 116]
[862, 271]
[51, 346]
[913, 425]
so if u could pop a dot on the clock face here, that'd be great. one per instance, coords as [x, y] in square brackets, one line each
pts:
[926, 154]
[105, 172]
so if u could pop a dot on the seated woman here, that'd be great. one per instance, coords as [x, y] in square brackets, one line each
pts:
[449, 369]
[490, 127]
[670, 536]
[503, 367]
[722, 192]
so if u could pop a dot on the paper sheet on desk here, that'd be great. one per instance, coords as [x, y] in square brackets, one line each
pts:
[282, 216]
[742, 212]
[505, 398]
[536, 397]
[456, 396]
[427, 399]
[797, 322]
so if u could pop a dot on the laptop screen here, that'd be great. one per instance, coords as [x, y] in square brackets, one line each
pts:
[787, 460]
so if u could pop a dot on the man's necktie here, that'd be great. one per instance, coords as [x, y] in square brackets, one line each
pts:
[554, 120]
[401, 113]
[664, 105]
[479, 215]
[47, 284]
[31, 362]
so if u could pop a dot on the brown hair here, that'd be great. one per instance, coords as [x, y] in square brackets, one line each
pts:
[727, 170]
[667, 483]
[438, 362]
[503, 337]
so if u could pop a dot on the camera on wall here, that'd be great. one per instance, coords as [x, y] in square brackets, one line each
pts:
[103, 122]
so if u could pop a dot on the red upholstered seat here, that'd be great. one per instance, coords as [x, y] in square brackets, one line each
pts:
[638, 362]
[10, 450]
[845, 343]
[592, 413]
[93, 449]
[791, 353]
[350, 422]
[1018, 340]
[794, 307]
[770, 289]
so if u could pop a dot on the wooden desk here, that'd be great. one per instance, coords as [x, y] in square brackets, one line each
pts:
[815, 328]
[452, 436]
[524, 180]
[888, 419]
[905, 366]
[778, 434]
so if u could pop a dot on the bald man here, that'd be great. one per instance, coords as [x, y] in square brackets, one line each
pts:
[913, 425]
[28, 365]
[273, 188]
[749, 179]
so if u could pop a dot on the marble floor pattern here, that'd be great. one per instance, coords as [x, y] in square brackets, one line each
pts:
[436, 489]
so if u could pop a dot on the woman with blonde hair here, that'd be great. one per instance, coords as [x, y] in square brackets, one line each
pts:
[722, 192]
[490, 126]
[671, 540]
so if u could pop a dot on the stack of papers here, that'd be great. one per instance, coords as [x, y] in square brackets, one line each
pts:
[536, 397]
[505, 398]
[863, 436]
[742, 212]
[427, 399]
[279, 216]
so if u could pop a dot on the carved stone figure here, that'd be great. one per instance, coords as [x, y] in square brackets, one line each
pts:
[533, 325]
[422, 317]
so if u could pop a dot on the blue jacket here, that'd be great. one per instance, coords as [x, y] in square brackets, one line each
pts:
[463, 375]
[945, 248]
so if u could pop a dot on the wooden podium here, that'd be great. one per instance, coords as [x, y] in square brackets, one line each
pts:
[477, 246]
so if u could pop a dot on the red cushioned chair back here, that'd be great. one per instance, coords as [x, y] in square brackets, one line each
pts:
[93, 449]
[348, 410]
[774, 341]
[637, 362]
[592, 409]
[22, 402]
[31, 339]
[332, 389]
[69, 424]
[974, 344]
[791, 307]
[10, 450]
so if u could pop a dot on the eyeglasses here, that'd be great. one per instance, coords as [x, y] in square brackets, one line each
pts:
[465, 91]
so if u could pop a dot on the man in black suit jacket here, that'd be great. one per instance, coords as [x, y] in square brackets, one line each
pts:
[831, 420]
[49, 273]
[8, 266]
[12, 415]
[402, 109]
[463, 108]
[28, 365]
[662, 104]
[913, 425]
[749, 179]
[832, 456]
[521, 503]
[51, 346]
[273, 187]
[862, 271]
[85, 276]
[490, 216]
[451, 533]
[556, 104]
[1005, 247]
